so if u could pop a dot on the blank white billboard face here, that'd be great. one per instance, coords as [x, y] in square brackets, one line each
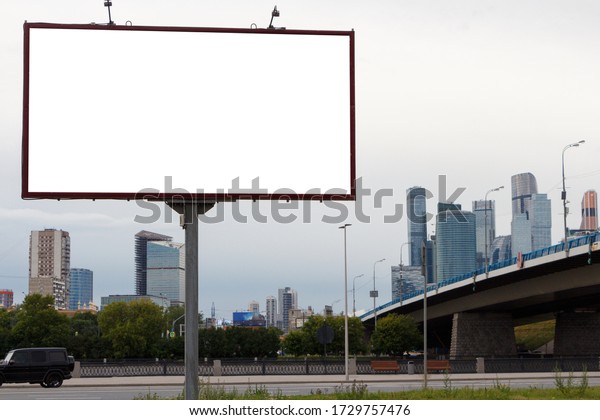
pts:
[112, 111]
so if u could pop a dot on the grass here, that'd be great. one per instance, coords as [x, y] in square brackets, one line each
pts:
[533, 336]
[566, 388]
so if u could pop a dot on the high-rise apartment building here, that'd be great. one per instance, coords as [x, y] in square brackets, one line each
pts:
[416, 211]
[455, 245]
[485, 215]
[49, 265]
[589, 211]
[6, 298]
[81, 293]
[165, 270]
[253, 307]
[271, 311]
[141, 258]
[288, 299]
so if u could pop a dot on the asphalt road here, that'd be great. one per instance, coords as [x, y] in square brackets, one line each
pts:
[129, 388]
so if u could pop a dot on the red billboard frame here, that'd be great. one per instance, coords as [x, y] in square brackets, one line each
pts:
[341, 194]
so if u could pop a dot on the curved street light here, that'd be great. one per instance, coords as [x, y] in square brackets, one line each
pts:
[401, 268]
[374, 295]
[564, 192]
[354, 295]
[485, 203]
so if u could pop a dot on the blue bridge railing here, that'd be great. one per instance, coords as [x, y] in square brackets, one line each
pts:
[572, 243]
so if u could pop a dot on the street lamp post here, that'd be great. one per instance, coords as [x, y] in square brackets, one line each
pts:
[345, 303]
[564, 192]
[354, 295]
[401, 269]
[374, 295]
[485, 203]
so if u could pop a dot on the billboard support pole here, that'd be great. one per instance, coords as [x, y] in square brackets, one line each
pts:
[190, 212]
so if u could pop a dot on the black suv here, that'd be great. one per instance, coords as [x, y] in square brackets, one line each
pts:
[47, 366]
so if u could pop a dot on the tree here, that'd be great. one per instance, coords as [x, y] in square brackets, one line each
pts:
[133, 329]
[39, 324]
[7, 321]
[85, 341]
[395, 335]
[295, 343]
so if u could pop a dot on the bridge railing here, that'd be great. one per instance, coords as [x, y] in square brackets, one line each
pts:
[572, 243]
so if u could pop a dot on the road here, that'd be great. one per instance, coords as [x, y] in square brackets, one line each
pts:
[168, 387]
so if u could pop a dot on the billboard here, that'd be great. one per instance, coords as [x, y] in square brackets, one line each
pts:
[248, 319]
[127, 112]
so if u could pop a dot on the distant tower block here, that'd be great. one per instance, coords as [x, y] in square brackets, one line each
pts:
[49, 265]
[589, 211]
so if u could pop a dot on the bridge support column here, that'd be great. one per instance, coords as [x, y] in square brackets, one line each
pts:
[482, 334]
[577, 334]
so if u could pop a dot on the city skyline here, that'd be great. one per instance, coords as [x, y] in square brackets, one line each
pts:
[473, 91]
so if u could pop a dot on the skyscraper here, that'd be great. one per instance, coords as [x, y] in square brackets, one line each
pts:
[49, 265]
[501, 249]
[141, 258]
[165, 270]
[288, 299]
[480, 209]
[541, 221]
[455, 241]
[406, 280]
[522, 186]
[589, 211]
[271, 311]
[521, 238]
[416, 212]
[81, 293]
[531, 215]
[253, 307]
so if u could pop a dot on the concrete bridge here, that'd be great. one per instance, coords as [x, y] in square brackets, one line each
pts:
[474, 314]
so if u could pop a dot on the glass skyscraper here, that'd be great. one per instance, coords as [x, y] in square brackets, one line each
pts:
[480, 209]
[141, 258]
[531, 215]
[407, 280]
[82, 288]
[455, 241]
[522, 187]
[501, 249]
[417, 222]
[521, 234]
[541, 221]
[166, 271]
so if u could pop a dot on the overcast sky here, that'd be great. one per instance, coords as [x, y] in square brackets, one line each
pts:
[475, 91]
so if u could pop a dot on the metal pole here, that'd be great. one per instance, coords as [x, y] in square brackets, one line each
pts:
[354, 294]
[191, 301]
[425, 332]
[402, 269]
[346, 344]
[485, 202]
[564, 194]
[190, 211]
[375, 296]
